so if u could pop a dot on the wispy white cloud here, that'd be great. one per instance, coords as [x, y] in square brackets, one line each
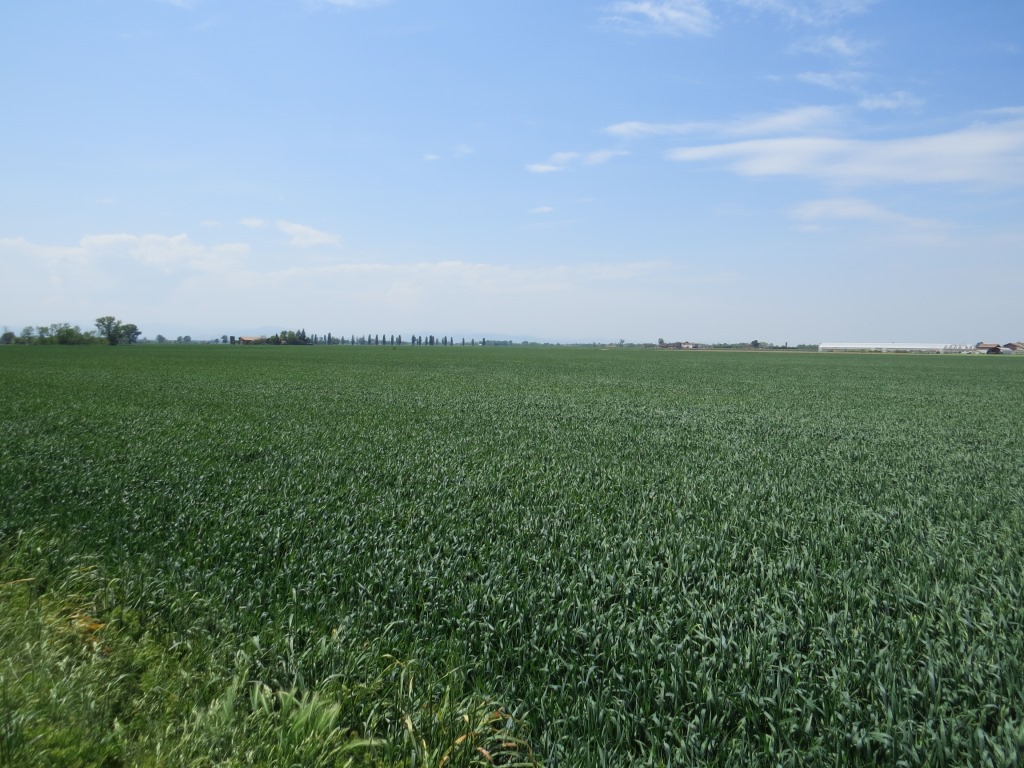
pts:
[563, 158]
[355, 3]
[854, 209]
[50, 255]
[837, 81]
[430, 157]
[543, 209]
[673, 17]
[894, 100]
[851, 81]
[695, 17]
[813, 12]
[789, 121]
[165, 252]
[559, 161]
[602, 156]
[632, 129]
[818, 216]
[253, 223]
[986, 154]
[304, 236]
[544, 168]
[834, 45]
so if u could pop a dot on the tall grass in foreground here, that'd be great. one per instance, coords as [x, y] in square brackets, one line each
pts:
[424, 556]
[81, 684]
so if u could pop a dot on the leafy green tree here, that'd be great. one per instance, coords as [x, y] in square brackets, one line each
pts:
[116, 332]
[130, 333]
[65, 334]
[8, 337]
[109, 327]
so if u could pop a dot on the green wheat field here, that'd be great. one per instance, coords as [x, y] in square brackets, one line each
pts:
[337, 556]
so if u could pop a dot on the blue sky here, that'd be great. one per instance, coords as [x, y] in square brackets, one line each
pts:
[713, 170]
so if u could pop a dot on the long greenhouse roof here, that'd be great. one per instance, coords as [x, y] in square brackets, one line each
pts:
[890, 345]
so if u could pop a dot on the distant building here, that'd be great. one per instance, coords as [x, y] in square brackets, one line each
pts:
[681, 345]
[895, 346]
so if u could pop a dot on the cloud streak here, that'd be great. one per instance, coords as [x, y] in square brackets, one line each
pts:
[854, 209]
[544, 168]
[895, 100]
[355, 3]
[788, 121]
[303, 236]
[811, 12]
[983, 154]
[695, 17]
[834, 81]
[164, 252]
[834, 45]
[667, 17]
[560, 161]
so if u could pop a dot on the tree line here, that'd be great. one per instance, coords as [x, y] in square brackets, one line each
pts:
[301, 337]
[109, 330]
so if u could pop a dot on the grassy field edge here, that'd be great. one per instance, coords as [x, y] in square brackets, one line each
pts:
[84, 682]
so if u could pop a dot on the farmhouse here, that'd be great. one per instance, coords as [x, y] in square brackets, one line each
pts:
[252, 339]
[681, 345]
[894, 346]
[989, 349]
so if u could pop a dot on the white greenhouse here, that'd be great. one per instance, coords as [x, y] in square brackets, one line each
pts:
[895, 346]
